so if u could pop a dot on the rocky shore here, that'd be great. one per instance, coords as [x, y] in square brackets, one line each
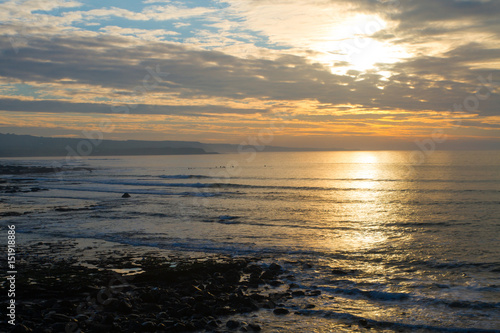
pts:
[28, 183]
[124, 292]
[25, 170]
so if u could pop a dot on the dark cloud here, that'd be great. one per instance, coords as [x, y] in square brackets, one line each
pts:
[421, 83]
[11, 104]
[414, 13]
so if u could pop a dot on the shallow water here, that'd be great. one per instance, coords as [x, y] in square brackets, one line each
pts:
[411, 246]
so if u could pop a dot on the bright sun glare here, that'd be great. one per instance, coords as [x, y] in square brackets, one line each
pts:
[352, 42]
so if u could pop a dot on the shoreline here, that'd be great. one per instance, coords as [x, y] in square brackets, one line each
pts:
[75, 285]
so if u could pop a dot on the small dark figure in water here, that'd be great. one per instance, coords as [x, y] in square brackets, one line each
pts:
[126, 195]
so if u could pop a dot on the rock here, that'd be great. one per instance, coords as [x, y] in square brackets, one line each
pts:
[232, 324]
[269, 274]
[126, 195]
[281, 311]
[151, 307]
[338, 271]
[269, 304]
[363, 322]
[149, 297]
[254, 327]
[253, 269]
[20, 328]
[148, 326]
[124, 307]
[314, 293]
[58, 327]
[169, 324]
[232, 276]
[276, 283]
[275, 267]
[212, 324]
[11, 214]
[60, 317]
[81, 318]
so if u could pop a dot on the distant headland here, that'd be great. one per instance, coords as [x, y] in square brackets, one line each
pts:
[12, 145]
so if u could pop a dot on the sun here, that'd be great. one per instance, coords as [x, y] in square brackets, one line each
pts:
[351, 45]
[374, 52]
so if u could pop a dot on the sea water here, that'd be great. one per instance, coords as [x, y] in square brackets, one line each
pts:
[409, 244]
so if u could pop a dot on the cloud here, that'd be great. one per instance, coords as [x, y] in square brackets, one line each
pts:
[143, 34]
[54, 106]
[157, 1]
[111, 62]
[374, 64]
[181, 24]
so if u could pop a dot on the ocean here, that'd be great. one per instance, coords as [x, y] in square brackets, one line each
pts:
[412, 247]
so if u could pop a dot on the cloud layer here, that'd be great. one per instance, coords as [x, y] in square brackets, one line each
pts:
[397, 69]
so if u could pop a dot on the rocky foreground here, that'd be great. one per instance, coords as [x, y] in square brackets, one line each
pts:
[164, 294]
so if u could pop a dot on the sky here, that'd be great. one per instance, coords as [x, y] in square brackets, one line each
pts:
[364, 74]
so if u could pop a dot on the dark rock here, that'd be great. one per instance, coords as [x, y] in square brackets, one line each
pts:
[254, 327]
[161, 327]
[60, 317]
[269, 275]
[253, 269]
[81, 318]
[169, 324]
[149, 297]
[151, 308]
[363, 322]
[303, 313]
[11, 214]
[338, 271]
[20, 328]
[123, 306]
[97, 327]
[275, 267]
[148, 326]
[258, 297]
[126, 195]
[276, 283]
[314, 293]
[199, 323]
[269, 304]
[188, 296]
[59, 327]
[232, 276]
[281, 311]
[180, 327]
[232, 324]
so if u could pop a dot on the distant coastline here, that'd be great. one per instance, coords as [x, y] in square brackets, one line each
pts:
[12, 145]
